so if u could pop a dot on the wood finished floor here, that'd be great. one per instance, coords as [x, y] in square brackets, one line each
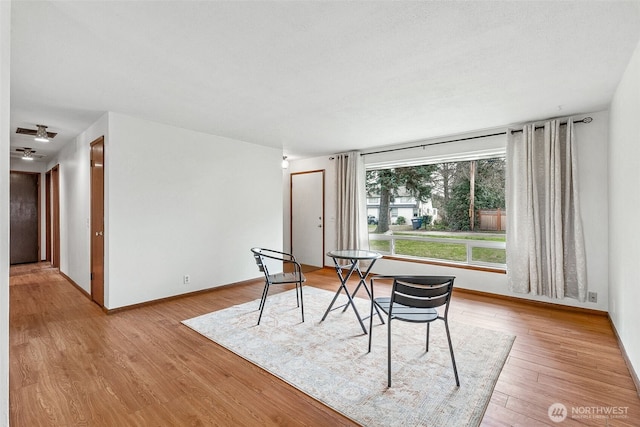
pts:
[71, 364]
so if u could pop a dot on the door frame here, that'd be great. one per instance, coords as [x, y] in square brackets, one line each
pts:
[53, 216]
[97, 292]
[291, 175]
[52, 213]
[47, 215]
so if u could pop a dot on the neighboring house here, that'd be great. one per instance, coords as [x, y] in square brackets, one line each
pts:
[403, 206]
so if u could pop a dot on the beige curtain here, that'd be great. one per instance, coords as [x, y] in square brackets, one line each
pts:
[351, 212]
[545, 244]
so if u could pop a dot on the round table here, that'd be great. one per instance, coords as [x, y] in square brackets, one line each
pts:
[353, 256]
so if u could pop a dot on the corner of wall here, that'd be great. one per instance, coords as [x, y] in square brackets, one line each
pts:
[623, 203]
[5, 57]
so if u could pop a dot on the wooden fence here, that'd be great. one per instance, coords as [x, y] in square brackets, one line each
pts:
[492, 220]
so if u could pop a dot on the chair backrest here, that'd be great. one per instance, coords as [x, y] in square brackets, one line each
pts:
[263, 256]
[422, 291]
[259, 258]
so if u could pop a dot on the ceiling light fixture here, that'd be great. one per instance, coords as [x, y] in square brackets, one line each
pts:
[285, 162]
[41, 134]
[27, 154]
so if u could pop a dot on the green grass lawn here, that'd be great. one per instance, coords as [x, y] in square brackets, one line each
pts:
[456, 252]
[446, 251]
[497, 256]
[380, 245]
[465, 236]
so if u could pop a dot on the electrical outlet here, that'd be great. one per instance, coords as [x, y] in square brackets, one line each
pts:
[186, 279]
[592, 296]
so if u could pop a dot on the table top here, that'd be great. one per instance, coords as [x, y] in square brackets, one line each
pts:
[354, 254]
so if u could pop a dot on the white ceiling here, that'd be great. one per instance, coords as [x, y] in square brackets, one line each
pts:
[315, 77]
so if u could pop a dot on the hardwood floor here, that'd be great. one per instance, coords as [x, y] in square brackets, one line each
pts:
[72, 364]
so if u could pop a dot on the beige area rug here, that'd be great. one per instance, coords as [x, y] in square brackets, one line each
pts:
[329, 360]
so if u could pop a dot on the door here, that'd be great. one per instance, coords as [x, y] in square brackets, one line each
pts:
[47, 215]
[24, 218]
[307, 217]
[53, 216]
[97, 221]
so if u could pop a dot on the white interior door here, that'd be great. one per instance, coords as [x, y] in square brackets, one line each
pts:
[307, 217]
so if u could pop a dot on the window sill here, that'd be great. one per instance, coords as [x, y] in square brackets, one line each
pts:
[448, 264]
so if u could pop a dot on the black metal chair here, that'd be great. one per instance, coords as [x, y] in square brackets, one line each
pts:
[415, 299]
[262, 257]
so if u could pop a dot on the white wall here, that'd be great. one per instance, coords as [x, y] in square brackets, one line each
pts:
[624, 205]
[27, 166]
[182, 202]
[75, 207]
[592, 153]
[5, 56]
[176, 202]
[330, 185]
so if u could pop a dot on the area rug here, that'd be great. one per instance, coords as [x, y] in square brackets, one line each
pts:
[329, 361]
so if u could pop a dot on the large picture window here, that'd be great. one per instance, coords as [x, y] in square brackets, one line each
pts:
[449, 212]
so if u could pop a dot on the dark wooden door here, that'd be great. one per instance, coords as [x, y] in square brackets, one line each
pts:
[97, 221]
[23, 218]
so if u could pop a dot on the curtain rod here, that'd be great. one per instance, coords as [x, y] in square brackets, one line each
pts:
[585, 120]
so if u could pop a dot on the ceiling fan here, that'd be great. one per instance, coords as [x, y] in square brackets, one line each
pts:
[26, 153]
[42, 131]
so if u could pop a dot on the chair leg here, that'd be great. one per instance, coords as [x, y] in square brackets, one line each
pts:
[263, 301]
[389, 352]
[370, 325]
[264, 294]
[301, 301]
[428, 325]
[453, 360]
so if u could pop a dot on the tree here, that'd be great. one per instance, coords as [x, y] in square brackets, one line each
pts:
[457, 207]
[490, 184]
[415, 181]
[443, 180]
[488, 191]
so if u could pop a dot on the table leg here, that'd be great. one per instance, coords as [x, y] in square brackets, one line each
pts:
[357, 270]
[363, 278]
[343, 282]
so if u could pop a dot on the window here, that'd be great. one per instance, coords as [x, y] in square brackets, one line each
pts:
[455, 211]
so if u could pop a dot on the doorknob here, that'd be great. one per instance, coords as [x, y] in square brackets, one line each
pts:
[98, 233]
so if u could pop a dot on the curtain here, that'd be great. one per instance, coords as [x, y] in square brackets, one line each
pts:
[351, 206]
[545, 244]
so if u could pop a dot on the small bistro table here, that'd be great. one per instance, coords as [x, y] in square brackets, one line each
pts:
[353, 256]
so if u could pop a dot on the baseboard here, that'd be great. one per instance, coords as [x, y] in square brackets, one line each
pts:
[189, 294]
[532, 302]
[632, 372]
[80, 288]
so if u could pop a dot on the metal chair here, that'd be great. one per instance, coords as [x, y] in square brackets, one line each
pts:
[415, 299]
[262, 257]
